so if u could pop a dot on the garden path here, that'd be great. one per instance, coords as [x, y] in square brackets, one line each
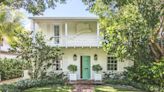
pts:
[10, 81]
[83, 88]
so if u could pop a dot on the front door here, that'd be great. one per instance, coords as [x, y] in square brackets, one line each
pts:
[86, 67]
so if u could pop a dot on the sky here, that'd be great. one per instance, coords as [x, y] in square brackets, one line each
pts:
[72, 8]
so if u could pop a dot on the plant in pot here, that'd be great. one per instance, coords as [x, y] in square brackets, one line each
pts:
[97, 68]
[26, 73]
[72, 75]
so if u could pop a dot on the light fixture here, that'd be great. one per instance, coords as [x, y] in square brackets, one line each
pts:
[74, 57]
[95, 57]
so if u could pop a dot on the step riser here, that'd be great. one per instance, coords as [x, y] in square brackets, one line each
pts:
[86, 82]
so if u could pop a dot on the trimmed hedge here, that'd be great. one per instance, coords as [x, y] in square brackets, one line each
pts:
[20, 86]
[26, 84]
[12, 68]
[146, 87]
[9, 88]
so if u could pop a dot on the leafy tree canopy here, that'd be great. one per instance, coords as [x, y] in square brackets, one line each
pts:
[10, 23]
[130, 27]
[35, 7]
[39, 54]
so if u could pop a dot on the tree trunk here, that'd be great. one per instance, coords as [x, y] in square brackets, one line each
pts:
[155, 47]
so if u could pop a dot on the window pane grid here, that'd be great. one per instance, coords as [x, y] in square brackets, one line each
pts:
[56, 34]
[57, 65]
[111, 63]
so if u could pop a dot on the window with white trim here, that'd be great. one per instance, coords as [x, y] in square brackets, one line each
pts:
[57, 64]
[56, 34]
[112, 63]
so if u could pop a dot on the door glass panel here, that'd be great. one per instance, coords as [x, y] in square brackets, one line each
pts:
[56, 34]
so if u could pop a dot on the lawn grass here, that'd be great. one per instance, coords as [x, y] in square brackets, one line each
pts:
[51, 89]
[115, 88]
[97, 88]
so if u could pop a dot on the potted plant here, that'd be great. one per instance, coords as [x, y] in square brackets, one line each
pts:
[26, 67]
[72, 75]
[97, 68]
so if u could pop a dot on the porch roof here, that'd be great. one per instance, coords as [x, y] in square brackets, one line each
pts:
[65, 18]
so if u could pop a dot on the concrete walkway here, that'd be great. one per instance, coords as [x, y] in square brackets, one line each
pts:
[10, 81]
[83, 88]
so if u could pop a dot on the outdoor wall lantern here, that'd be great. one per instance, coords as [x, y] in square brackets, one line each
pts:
[95, 57]
[74, 57]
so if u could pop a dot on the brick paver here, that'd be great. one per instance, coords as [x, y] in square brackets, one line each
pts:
[83, 88]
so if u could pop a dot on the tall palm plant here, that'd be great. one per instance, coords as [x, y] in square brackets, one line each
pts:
[10, 24]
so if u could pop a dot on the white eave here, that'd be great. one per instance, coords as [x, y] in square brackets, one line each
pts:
[65, 18]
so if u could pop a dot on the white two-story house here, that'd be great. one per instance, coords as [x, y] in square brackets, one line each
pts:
[80, 41]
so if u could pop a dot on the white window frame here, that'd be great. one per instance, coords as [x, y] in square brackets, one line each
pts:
[113, 63]
[59, 63]
[60, 32]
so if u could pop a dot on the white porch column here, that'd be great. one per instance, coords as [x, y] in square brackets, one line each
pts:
[33, 30]
[66, 33]
[98, 34]
[98, 31]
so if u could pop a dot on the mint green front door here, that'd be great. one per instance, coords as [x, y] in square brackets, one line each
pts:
[86, 67]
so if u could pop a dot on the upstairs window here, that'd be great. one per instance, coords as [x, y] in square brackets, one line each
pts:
[112, 63]
[56, 34]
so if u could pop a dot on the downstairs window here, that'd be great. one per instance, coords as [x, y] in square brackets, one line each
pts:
[112, 63]
[57, 64]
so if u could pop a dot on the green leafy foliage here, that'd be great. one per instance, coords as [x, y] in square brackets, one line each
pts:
[9, 88]
[25, 84]
[35, 7]
[10, 24]
[72, 68]
[152, 74]
[53, 75]
[123, 79]
[12, 68]
[55, 79]
[36, 52]
[130, 27]
[97, 68]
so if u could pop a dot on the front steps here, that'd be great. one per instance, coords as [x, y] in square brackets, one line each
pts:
[86, 82]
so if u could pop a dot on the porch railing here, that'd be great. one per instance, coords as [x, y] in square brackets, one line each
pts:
[73, 42]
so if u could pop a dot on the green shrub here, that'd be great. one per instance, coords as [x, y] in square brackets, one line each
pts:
[12, 68]
[149, 77]
[53, 76]
[72, 68]
[9, 88]
[97, 68]
[113, 76]
[25, 84]
[29, 83]
[150, 74]
[53, 79]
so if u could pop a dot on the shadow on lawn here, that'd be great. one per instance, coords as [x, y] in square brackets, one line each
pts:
[50, 89]
[115, 89]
